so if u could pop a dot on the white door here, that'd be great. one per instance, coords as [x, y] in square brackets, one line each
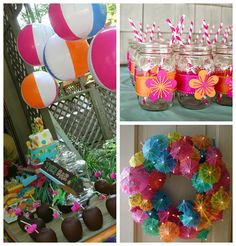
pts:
[130, 142]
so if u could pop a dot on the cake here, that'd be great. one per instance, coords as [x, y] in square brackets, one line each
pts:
[41, 144]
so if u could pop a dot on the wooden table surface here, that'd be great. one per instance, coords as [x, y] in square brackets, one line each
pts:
[108, 229]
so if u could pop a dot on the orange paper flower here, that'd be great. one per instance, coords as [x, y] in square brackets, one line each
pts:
[169, 231]
[204, 85]
[146, 205]
[204, 208]
[201, 141]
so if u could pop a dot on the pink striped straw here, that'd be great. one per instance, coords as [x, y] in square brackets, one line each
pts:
[141, 30]
[205, 27]
[179, 24]
[217, 33]
[172, 27]
[132, 24]
[182, 30]
[225, 35]
[197, 37]
[145, 33]
[190, 32]
[159, 33]
[152, 32]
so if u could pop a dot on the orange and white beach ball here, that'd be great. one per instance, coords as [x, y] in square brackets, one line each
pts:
[66, 60]
[39, 89]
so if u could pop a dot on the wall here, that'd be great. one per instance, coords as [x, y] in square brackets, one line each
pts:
[131, 140]
[147, 13]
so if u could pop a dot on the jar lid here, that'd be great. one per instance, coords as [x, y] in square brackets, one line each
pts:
[198, 49]
[224, 48]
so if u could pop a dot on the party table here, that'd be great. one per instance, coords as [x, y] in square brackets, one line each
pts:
[106, 233]
[131, 111]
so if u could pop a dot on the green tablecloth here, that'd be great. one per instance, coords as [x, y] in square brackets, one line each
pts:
[131, 111]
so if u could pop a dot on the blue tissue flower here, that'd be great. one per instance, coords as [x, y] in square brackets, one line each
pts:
[161, 201]
[199, 185]
[165, 163]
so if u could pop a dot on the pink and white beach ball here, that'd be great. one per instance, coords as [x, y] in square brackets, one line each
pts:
[102, 58]
[77, 21]
[31, 41]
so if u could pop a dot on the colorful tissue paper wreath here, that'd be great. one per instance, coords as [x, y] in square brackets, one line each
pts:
[195, 158]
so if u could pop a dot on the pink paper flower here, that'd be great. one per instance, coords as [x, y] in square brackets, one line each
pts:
[139, 215]
[36, 204]
[161, 87]
[213, 156]
[31, 228]
[76, 207]
[113, 175]
[102, 197]
[56, 215]
[98, 174]
[18, 211]
[229, 83]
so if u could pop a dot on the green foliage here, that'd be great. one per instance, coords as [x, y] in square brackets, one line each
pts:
[32, 13]
[111, 14]
[102, 159]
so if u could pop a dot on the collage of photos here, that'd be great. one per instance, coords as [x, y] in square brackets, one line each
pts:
[117, 122]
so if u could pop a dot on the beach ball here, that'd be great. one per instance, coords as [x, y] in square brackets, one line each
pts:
[102, 58]
[31, 41]
[39, 89]
[66, 60]
[77, 21]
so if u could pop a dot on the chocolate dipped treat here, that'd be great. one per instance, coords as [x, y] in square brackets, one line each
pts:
[102, 186]
[111, 205]
[46, 235]
[93, 218]
[22, 217]
[40, 224]
[45, 212]
[72, 229]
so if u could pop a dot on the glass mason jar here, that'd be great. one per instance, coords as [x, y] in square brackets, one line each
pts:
[223, 62]
[130, 56]
[155, 76]
[194, 61]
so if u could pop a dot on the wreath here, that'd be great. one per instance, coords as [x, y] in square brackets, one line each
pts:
[196, 158]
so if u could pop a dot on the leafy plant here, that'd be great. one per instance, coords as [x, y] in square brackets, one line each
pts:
[102, 159]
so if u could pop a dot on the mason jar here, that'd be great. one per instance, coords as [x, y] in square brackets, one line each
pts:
[194, 60]
[131, 61]
[155, 76]
[223, 62]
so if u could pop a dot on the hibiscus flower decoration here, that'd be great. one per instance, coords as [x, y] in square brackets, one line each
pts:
[229, 83]
[204, 85]
[161, 87]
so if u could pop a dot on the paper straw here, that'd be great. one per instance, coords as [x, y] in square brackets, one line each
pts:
[145, 33]
[179, 24]
[197, 37]
[182, 30]
[172, 27]
[205, 27]
[225, 35]
[132, 24]
[190, 32]
[141, 30]
[217, 33]
[152, 32]
[159, 33]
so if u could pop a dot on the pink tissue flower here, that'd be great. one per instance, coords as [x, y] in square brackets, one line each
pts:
[98, 174]
[18, 211]
[76, 207]
[113, 175]
[31, 228]
[56, 215]
[102, 197]
[36, 205]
